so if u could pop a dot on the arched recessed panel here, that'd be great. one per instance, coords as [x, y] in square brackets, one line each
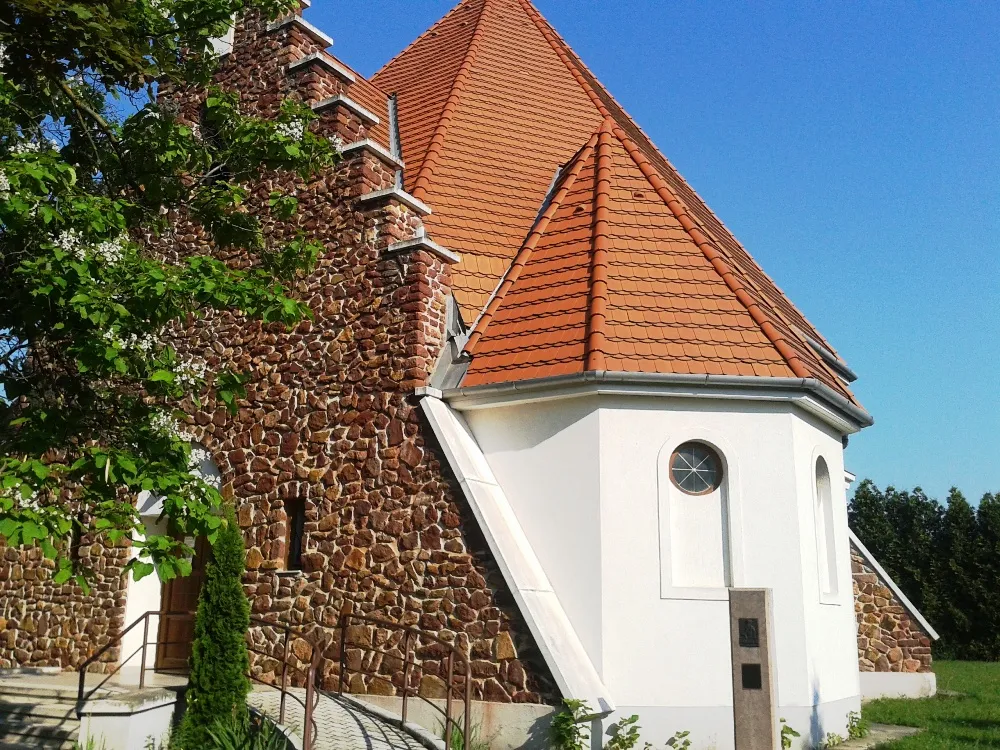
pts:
[694, 502]
[826, 546]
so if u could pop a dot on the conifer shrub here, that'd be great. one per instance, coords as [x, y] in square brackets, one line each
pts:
[218, 686]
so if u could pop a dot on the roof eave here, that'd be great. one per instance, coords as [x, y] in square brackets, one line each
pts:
[810, 394]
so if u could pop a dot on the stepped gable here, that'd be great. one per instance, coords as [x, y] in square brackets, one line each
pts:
[492, 103]
[615, 276]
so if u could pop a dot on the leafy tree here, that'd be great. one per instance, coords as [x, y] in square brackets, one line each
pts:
[218, 685]
[988, 525]
[93, 173]
[957, 578]
[945, 559]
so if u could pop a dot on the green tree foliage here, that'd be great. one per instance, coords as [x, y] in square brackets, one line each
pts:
[218, 686]
[91, 169]
[946, 559]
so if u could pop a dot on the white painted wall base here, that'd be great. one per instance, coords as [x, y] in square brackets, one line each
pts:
[505, 726]
[128, 721]
[898, 685]
[711, 727]
[814, 723]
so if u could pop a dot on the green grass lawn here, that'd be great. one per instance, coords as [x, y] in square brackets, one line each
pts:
[971, 720]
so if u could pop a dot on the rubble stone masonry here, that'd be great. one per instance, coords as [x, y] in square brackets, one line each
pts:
[331, 418]
[889, 639]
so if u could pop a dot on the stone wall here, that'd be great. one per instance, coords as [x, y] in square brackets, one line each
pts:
[47, 625]
[330, 417]
[889, 638]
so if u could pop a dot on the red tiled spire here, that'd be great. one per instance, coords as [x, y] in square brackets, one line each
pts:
[492, 102]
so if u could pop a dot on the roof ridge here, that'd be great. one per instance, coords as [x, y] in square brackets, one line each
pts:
[713, 255]
[524, 254]
[546, 30]
[597, 303]
[426, 33]
[458, 84]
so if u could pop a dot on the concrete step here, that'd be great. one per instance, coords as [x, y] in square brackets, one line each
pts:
[42, 709]
[20, 731]
[39, 744]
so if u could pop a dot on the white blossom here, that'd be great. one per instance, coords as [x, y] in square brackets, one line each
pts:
[166, 425]
[191, 373]
[337, 142]
[4, 58]
[71, 241]
[32, 502]
[144, 343]
[111, 251]
[4, 183]
[293, 130]
[27, 147]
[197, 463]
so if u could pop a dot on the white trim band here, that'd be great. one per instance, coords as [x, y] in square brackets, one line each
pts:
[375, 148]
[327, 62]
[303, 24]
[400, 195]
[350, 105]
[554, 634]
[423, 243]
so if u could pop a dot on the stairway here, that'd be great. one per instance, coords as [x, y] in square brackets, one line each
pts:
[37, 714]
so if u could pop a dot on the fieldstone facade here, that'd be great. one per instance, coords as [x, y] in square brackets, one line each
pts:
[889, 638]
[331, 416]
[43, 624]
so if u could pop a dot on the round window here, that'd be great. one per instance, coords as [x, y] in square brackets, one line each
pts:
[696, 469]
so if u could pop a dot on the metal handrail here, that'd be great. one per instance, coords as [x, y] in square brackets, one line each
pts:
[409, 635]
[308, 702]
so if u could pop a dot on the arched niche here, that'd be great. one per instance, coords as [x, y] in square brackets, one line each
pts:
[826, 544]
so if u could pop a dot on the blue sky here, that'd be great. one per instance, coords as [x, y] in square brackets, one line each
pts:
[854, 149]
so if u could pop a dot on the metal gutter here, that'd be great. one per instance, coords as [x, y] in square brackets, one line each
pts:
[769, 387]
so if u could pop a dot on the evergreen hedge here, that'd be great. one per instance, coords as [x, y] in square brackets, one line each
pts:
[219, 685]
[945, 558]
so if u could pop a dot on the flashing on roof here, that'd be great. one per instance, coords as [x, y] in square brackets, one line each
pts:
[363, 114]
[832, 361]
[321, 58]
[317, 34]
[400, 195]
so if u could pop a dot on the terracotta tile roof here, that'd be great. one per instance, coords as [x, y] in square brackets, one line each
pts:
[492, 102]
[611, 279]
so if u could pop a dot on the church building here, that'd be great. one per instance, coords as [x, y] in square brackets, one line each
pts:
[548, 408]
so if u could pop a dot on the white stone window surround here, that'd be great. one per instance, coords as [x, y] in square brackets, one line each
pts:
[825, 529]
[732, 508]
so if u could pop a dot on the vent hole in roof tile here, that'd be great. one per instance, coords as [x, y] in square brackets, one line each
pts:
[578, 210]
[638, 194]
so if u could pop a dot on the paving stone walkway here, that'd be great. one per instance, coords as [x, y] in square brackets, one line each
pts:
[340, 724]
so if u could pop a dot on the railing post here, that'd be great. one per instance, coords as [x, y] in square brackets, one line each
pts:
[307, 733]
[284, 679]
[468, 705]
[447, 711]
[406, 671]
[343, 652]
[145, 639]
